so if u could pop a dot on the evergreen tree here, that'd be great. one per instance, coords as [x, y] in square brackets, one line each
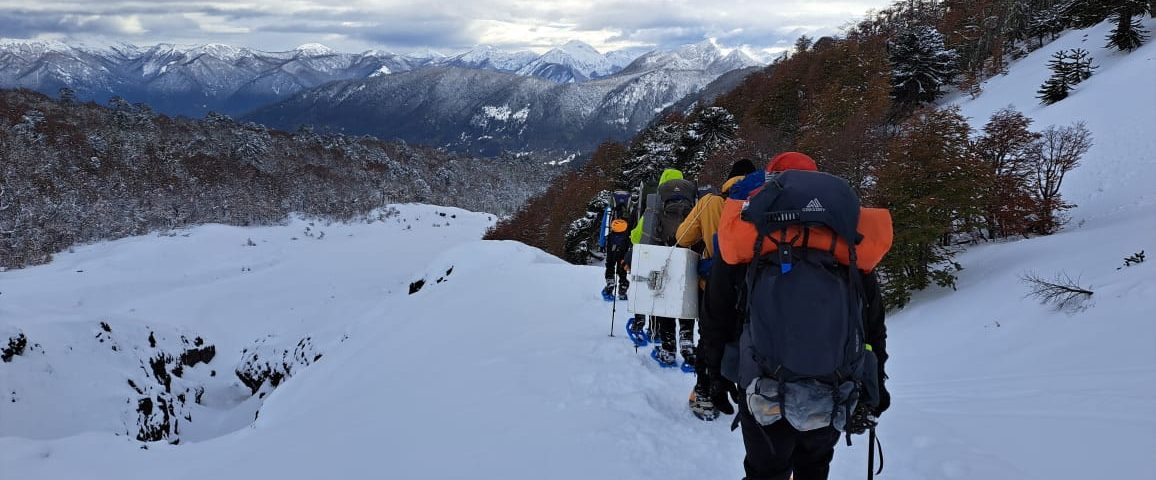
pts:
[1047, 23]
[1082, 67]
[921, 64]
[1086, 13]
[803, 44]
[581, 237]
[655, 149]
[713, 131]
[1129, 33]
[1059, 85]
[932, 184]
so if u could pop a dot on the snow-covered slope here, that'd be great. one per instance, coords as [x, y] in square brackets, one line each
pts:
[499, 365]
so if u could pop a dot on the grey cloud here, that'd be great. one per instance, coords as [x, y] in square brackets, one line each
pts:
[29, 25]
[441, 25]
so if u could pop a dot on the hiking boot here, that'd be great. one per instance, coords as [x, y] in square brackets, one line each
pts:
[687, 349]
[701, 405]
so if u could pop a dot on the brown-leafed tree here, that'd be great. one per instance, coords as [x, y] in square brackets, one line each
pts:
[1003, 148]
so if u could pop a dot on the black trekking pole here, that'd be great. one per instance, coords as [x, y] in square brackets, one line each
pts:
[614, 306]
[871, 455]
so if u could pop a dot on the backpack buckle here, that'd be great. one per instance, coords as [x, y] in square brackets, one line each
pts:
[785, 250]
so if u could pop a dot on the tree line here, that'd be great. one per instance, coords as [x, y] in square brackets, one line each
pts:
[80, 172]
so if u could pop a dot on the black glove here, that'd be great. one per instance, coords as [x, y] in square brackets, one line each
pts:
[862, 420]
[884, 401]
[722, 392]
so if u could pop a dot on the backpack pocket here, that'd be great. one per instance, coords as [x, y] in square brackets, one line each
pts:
[763, 401]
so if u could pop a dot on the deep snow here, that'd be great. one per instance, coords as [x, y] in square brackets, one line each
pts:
[504, 369]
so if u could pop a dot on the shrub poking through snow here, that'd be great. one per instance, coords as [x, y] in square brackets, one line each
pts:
[15, 347]
[1061, 291]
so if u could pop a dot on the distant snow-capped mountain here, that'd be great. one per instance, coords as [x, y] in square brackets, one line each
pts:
[582, 94]
[488, 57]
[699, 56]
[191, 80]
[573, 62]
[188, 80]
[486, 111]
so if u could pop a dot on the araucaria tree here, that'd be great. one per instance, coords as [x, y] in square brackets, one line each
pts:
[1129, 33]
[921, 64]
[1060, 84]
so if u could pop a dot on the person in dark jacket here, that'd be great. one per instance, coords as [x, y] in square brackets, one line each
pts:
[617, 254]
[777, 451]
[700, 226]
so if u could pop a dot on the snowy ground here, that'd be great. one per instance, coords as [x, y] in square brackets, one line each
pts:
[503, 368]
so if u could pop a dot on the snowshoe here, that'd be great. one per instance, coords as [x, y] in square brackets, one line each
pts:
[687, 367]
[609, 297]
[636, 334]
[622, 297]
[665, 358]
[701, 405]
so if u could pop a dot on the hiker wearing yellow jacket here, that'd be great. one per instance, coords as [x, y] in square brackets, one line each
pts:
[701, 225]
[662, 213]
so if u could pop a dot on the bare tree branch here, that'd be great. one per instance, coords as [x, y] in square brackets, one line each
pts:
[1061, 291]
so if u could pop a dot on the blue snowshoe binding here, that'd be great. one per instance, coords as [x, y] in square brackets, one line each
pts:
[638, 336]
[609, 297]
[659, 356]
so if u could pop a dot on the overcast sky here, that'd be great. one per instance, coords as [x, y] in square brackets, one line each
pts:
[444, 26]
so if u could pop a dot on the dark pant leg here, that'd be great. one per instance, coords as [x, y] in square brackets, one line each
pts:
[813, 453]
[623, 279]
[769, 449]
[686, 328]
[666, 333]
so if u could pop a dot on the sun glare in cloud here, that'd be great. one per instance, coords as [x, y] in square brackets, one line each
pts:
[542, 37]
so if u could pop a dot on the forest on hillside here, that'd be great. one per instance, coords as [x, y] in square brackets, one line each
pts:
[73, 172]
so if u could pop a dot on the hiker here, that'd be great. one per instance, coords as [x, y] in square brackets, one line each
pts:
[700, 225]
[792, 418]
[674, 201]
[617, 255]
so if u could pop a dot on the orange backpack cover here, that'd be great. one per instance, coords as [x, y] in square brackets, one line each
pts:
[736, 237]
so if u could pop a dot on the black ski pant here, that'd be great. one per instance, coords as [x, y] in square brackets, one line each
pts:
[616, 265]
[666, 331]
[774, 452]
